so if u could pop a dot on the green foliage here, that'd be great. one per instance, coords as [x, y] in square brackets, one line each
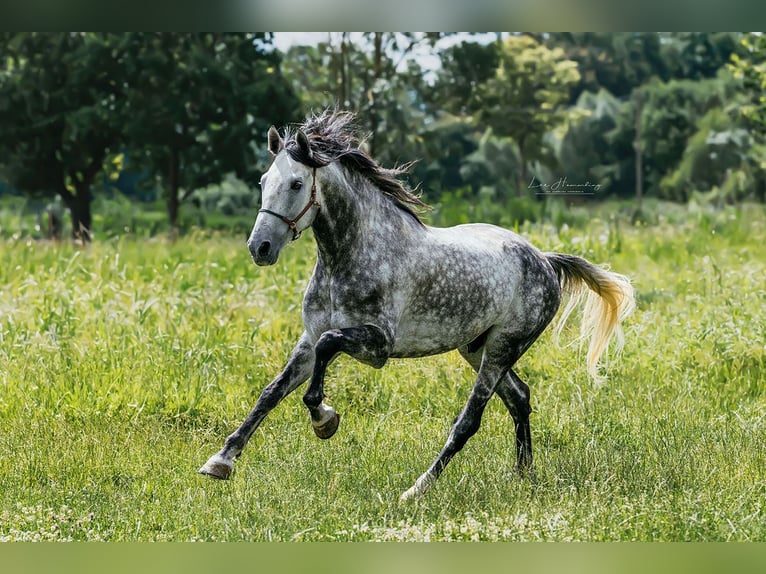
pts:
[684, 90]
[199, 107]
[586, 153]
[373, 76]
[464, 68]
[669, 116]
[751, 70]
[126, 363]
[177, 113]
[714, 159]
[444, 144]
[117, 216]
[58, 123]
[230, 197]
[525, 98]
[493, 167]
[617, 62]
[186, 108]
[699, 55]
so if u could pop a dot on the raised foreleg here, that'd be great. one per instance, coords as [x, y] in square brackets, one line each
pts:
[366, 343]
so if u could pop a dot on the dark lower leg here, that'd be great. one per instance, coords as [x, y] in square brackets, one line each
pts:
[464, 427]
[296, 372]
[515, 395]
[270, 397]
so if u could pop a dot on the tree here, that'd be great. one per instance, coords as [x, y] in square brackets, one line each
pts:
[615, 61]
[464, 68]
[526, 97]
[58, 127]
[492, 167]
[699, 55]
[373, 75]
[670, 114]
[444, 144]
[585, 150]
[199, 106]
[714, 160]
[750, 70]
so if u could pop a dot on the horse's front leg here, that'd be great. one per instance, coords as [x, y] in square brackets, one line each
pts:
[296, 372]
[366, 343]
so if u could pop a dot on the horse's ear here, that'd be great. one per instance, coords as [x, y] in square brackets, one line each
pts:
[303, 144]
[276, 144]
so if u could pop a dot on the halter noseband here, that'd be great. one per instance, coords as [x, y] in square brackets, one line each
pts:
[293, 223]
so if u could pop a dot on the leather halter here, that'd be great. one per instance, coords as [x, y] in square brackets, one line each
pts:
[293, 223]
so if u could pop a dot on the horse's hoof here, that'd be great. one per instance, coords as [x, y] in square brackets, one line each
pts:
[417, 490]
[217, 467]
[409, 494]
[326, 429]
[525, 469]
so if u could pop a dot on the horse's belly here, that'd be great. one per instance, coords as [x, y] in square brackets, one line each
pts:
[432, 335]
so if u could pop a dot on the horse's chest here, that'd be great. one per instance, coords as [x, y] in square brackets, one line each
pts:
[339, 302]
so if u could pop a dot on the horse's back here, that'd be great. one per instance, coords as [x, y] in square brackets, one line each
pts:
[472, 235]
[468, 279]
[492, 250]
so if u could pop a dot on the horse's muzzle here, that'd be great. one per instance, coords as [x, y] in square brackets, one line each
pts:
[262, 252]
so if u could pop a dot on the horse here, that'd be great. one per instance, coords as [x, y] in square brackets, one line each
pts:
[386, 285]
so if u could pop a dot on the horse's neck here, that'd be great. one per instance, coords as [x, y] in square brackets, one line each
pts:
[352, 221]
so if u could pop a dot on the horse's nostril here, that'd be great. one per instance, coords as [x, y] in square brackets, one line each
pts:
[264, 248]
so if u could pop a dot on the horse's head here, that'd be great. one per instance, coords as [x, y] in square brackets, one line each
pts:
[289, 198]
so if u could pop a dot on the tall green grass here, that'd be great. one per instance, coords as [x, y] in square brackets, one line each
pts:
[124, 365]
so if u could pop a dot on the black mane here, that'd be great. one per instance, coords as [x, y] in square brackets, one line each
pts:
[332, 136]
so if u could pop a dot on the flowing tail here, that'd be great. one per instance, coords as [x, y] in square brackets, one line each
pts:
[609, 301]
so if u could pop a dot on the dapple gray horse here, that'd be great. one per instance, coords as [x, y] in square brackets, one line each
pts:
[385, 285]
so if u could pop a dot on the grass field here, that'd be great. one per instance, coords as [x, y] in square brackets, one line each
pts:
[125, 364]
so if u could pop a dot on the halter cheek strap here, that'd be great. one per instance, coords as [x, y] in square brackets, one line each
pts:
[293, 223]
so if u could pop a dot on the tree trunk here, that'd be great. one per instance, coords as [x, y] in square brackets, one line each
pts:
[78, 204]
[344, 78]
[639, 156]
[173, 199]
[79, 201]
[523, 183]
[81, 219]
[377, 72]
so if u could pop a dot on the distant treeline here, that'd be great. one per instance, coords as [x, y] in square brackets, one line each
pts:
[502, 118]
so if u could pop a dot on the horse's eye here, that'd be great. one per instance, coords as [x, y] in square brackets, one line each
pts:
[297, 184]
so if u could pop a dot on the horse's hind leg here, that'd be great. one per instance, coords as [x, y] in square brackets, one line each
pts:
[515, 396]
[464, 427]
